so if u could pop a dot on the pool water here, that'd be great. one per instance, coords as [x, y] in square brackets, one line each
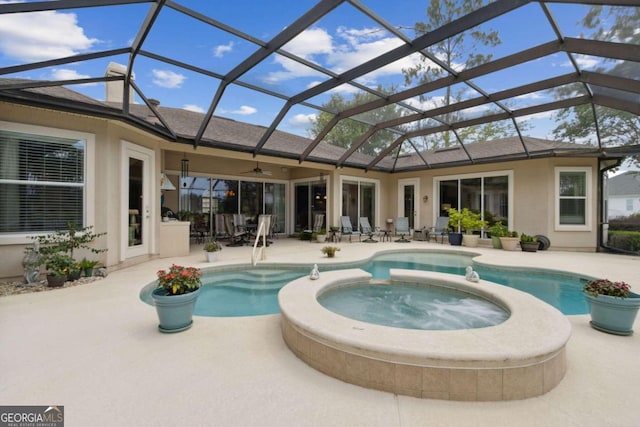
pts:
[254, 291]
[413, 306]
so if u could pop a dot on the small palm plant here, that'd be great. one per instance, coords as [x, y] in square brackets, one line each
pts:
[330, 251]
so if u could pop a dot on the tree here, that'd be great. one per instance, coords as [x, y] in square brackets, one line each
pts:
[347, 132]
[616, 24]
[460, 51]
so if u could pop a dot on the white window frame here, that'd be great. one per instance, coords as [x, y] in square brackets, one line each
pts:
[508, 173]
[89, 173]
[587, 226]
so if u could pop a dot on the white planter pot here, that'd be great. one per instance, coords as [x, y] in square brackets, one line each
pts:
[212, 256]
[321, 238]
[470, 240]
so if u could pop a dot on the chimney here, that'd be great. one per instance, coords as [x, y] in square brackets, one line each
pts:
[115, 89]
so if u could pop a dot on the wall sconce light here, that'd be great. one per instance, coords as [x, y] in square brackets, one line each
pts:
[165, 182]
[425, 198]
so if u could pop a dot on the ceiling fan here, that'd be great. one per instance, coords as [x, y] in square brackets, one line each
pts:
[258, 171]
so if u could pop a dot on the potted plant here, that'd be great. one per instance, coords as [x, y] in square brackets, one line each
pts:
[212, 249]
[496, 231]
[330, 251]
[321, 237]
[510, 241]
[455, 237]
[528, 243]
[175, 297]
[58, 265]
[75, 271]
[612, 305]
[471, 221]
[87, 266]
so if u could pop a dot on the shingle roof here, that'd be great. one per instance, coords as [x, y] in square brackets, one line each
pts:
[625, 184]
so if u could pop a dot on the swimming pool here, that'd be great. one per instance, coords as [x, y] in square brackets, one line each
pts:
[252, 291]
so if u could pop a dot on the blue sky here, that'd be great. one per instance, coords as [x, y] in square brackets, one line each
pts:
[342, 39]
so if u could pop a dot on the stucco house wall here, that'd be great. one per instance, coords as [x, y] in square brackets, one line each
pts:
[533, 184]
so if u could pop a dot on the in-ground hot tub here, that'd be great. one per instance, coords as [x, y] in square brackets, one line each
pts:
[522, 357]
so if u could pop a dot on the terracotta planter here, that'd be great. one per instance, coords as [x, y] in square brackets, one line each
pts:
[510, 243]
[612, 314]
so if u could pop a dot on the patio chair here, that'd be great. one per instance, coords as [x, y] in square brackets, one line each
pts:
[220, 229]
[367, 230]
[236, 238]
[347, 228]
[440, 229]
[402, 228]
[318, 222]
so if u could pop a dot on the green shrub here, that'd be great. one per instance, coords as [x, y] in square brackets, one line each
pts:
[625, 240]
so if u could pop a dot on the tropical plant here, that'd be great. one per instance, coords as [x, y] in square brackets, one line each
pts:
[85, 264]
[467, 219]
[179, 280]
[330, 251]
[498, 230]
[59, 264]
[212, 246]
[607, 287]
[68, 240]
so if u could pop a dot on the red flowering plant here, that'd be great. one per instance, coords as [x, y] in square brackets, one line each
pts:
[607, 287]
[179, 280]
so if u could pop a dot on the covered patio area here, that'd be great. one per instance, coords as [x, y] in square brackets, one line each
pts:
[95, 349]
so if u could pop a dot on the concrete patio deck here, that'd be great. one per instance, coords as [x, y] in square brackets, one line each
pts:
[95, 349]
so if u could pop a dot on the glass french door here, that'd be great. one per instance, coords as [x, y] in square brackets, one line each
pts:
[310, 198]
[408, 206]
[136, 200]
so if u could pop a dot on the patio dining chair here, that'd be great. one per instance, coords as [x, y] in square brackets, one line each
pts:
[318, 222]
[440, 229]
[402, 228]
[347, 228]
[236, 238]
[367, 230]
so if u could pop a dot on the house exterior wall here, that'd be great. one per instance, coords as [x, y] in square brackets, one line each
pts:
[533, 184]
[533, 201]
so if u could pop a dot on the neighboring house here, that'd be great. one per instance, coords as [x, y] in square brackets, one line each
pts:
[97, 167]
[623, 194]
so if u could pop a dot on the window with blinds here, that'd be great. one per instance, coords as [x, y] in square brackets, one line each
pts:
[42, 182]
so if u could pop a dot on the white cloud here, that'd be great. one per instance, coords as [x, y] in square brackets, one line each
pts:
[350, 47]
[38, 36]
[245, 110]
[303, 120]
[192, 107]
[167, 79]
[310, 43]
[220, 50]
[67, 74]
[583, 61]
